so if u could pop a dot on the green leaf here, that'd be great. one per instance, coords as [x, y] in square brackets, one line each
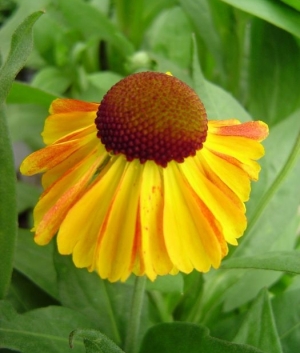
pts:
[23, 10]
[36, 262]
[153, 8]
[170, 31]
[188, 305]
[22, 93]
[31, 116]
[8, 213]
[24, 295]
[286, 308]
[218, 103]
[105, 303]
[200, 14]
[51, 79]
[273, 88]
[130, 19]
[96, 298]
[274, 12]
[288, 261]
[95, 342]
[167, 284]
[280, 196]
[293, 3]
[21, 45]
[188, 338]
[258, 328]
[42, 330]
[98, 85]
[93, 24]
[281, 188]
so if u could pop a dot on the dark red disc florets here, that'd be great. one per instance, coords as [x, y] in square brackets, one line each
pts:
[152, 116]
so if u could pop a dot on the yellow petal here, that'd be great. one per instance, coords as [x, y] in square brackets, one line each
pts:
[221, 171]
[56, 201]
[59, 125]
[89, 146]
[229, 215]
[120, 240]
[153, 252]
[50, 156]
[192, 237]
[243, 156]
[83, 222]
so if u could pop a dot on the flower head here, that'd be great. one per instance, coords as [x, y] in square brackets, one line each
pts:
[143, 183]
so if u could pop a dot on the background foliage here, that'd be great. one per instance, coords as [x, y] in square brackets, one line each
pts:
[243, 59]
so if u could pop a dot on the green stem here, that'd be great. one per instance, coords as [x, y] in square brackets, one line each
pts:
[135, 315]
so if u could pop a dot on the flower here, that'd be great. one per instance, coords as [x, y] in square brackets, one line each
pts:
[143, 183]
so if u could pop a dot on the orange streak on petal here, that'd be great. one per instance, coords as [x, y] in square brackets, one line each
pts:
[228, 176]
[51, 195]
[65, 105]
[53, 218]
[80, 230]
[255, 130]
[190, 230]
[119, 227]
[249, 166]
[48, 157]
[229, 215]
[89, 145]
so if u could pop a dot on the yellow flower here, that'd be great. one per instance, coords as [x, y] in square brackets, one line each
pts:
[142, 183]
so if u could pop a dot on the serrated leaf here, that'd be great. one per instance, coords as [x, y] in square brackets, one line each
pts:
[181, 337]
[258, 328]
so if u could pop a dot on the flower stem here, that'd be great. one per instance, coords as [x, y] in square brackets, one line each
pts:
[135, 315]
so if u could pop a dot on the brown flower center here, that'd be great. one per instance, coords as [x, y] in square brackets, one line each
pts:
[152, 116]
